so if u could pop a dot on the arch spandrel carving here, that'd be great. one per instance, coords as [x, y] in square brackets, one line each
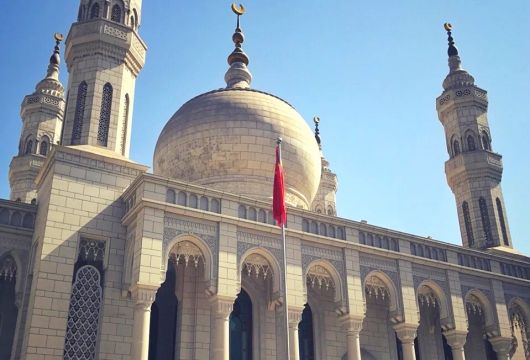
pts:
[323, 274]
[377, 283]
[429, 293]
[477, 302]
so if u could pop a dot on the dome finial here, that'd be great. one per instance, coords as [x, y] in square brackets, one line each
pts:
[452, 50]
[238, 75]
[316, 120]
[50, 84]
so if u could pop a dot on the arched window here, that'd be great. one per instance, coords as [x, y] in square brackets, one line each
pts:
[484, 214]
[182, 198]
[427, 252]
[94, 12]
[471, 143]
[377, 241]
[271, 221]
[340, 233]
[420, 250]
[44, 143]
[305, 225]
[214, 206]
[314, 228]
[501, 221]
[394, 245]
[116, 13]
[242, 212]
[362, 238]
[170, 196]
[331, 232]
[104, 116]
[306, 341]
[412, 249]
[203, 205]
[4, 216]
[241, 328]
[252, 214]
[132, 22]
[124, 124]
[28, 221]
[16, 219]
[33, 201]
[467, 222]
[29, 147]
[79, 112]
[80, 13]
[370, 240]
[262, 216]
[456, 147]
[485, 141]
[194, 201]
[323, 230]
[384, 243]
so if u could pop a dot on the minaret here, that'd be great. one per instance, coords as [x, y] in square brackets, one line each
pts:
[42, 120]
[325, 199]
[474, 171]
[104, 55]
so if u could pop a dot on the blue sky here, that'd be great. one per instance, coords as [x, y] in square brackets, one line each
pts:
[371, 71]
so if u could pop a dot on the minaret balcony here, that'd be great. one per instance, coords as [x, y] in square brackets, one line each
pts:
[464, 94]
[473, 164]
[110, 32]
[35, 102]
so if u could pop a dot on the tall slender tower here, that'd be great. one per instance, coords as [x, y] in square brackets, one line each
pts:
[325, 199]
[42, 120]
[474, 170]
[104, 55]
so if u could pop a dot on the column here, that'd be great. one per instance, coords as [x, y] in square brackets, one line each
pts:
[143, 299]
[407, 333]
[502, 347]
[295, 316]
[456, 339]
[221, 309]
[352, 325]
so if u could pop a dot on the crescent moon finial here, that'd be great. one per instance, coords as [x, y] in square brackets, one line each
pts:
[58, 37]
[237, 11]
[316, 120]
[448, 27]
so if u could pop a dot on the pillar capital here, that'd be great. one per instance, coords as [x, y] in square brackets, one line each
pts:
[295, 316]
[502, 346]
[455, 338]
[222, 305]
[406, 332]
[351, 323]
[143, 295]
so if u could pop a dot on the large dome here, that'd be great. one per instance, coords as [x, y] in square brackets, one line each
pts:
[225, 139]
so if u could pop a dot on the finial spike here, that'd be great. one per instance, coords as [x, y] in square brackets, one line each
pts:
[453, 50]
[316, 120]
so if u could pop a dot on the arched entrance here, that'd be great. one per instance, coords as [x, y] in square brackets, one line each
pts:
[306, 340]
[241, 328]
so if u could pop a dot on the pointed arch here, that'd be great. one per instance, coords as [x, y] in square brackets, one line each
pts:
[104, 115]
[44, 144]
[456, 147]
[474, 298]
[441, 299]
[94, 12]
[384, 280]
[271, 261]
[516, 304]
[486, 143]
[200, 244]
[116, 13]
[29, 146]
[12, 254]
[338, 296]
[470, 139]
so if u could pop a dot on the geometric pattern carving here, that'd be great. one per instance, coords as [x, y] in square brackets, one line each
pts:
[376, 288]
[83, 315]
[255, 264]
[485, 220]
[474, 305]
[467, 222]
[104, 116]
[186, 251]
[79, 112]
[8, 268]
[426, 296]
[388, 267]
[320, 276]
[112, 31]
[93, 250]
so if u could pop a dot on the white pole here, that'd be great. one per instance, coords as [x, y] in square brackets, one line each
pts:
[284, 245]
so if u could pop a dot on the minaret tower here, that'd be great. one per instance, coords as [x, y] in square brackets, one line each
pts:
[104, 55]
[325, 199]
[42, 120]
[474, 171]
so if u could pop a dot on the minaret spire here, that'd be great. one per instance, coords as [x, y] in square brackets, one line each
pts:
[238, 75]
[50, 84]
[473, 171]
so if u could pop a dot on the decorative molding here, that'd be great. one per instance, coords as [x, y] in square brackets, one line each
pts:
[243, 247]
[428, 273]
[256, 239]
[323, 253]
[97, 164]
[86, 29]
[475, 282]
[137, 45]
[115, 32]
[378, 263]
[512, 291]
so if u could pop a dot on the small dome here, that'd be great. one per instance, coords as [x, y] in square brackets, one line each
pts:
[225, 139]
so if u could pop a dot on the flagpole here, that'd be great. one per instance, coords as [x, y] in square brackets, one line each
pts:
[284, 246]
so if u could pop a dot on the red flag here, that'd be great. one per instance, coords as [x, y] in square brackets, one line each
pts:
[278, 196]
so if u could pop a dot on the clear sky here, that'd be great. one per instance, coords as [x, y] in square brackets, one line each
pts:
[371, 70]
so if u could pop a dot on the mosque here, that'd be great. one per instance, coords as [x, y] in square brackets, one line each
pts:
[100, 259]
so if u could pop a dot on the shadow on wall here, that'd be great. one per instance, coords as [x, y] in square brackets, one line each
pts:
[365, 355]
